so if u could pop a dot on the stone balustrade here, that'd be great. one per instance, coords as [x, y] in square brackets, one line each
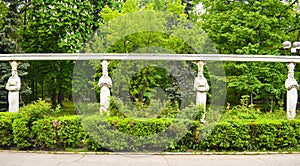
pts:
[201, 85]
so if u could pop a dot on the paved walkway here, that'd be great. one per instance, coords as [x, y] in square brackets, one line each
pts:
[8, 158]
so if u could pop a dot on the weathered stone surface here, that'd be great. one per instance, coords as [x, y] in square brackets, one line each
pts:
[292, 95]
[13, 85]
[201, 86]
[104, 83]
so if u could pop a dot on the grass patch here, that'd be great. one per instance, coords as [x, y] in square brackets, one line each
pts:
[67, 109]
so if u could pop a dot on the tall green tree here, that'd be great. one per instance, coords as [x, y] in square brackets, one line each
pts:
[3, 66]
[165, 29]
[10, 39]
[251, 27]
[56, 27]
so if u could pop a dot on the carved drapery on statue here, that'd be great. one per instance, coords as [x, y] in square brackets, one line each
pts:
[201, 86]
[292, 95]
[104, 83]
[13, 86]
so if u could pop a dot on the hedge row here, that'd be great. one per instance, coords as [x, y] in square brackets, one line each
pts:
[116, 134]
[253, 136]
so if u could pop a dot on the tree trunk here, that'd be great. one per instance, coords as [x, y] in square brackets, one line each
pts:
[53, 98]
[33, 82]
[145, 84]
[36, 90]
[43, 90]
[60, 96]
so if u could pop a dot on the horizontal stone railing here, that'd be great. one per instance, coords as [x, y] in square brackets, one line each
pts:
[171, 57]
[200, 81]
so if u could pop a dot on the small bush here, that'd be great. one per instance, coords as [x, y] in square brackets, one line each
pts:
[37, 110]
[23, 132]
[154, 110]
[135, 109]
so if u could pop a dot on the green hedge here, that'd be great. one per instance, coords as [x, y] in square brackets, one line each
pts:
[136, 134]
[62, 132]
[253, 136]
[125, 134]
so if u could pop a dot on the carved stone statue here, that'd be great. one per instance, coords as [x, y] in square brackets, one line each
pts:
[13, 85]
[201, 86]
[104, 83]
[292, 95]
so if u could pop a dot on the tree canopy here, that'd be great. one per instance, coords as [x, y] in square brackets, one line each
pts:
[166, 30]
[10, 42]
[252, 27]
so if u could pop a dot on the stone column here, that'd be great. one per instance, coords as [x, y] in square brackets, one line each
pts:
[104, 83]
[13, 86]
[292, 95]
[201, 86]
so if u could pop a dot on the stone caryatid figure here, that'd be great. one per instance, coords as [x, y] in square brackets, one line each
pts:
[292, 95]
[13, 85]
[104, 83]
[201, 86]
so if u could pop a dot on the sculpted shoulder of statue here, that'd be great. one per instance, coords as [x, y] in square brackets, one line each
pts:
[291, 83]
[105, 81]
[13, 83]
[201, 84]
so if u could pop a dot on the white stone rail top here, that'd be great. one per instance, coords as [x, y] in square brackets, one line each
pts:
[147, 56]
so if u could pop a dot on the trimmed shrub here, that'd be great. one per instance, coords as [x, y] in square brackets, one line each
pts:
[6, 130]
[45, 133]
[70, 132]
[135, 134]
[227, 136]
[62, 133]
[127, 134]
[21, 132]
[253, 136]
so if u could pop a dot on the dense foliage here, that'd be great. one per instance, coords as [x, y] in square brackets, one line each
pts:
[166, 31]
[46, 27]
[10, 42]
[174, 26]
[241, 129]
[252, 27]
[67, 132]
[235, 27]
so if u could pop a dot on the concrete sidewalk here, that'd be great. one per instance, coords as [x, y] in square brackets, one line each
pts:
[9, 158]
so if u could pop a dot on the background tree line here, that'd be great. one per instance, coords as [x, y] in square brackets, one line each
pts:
[253, 27]
[234, 27]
